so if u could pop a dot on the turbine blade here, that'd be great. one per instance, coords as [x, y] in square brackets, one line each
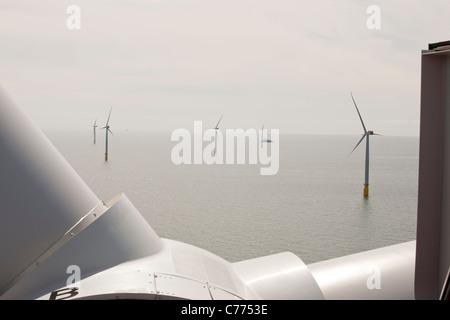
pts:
[111, 132]
[107, 122]
[357, 144]
[217, 125]
[362, 122]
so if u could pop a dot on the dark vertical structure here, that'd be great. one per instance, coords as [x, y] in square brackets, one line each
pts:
[433, 215]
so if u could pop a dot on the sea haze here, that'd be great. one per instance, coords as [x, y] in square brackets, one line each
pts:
[313, 207]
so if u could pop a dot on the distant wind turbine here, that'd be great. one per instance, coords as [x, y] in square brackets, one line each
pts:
[95, 127]
[215, 139]
[262, 136]
[366, 134]
[107, 130]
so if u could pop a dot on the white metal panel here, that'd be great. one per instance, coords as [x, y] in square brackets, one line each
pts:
[196, 263]
[280, 276]
[174, 287]
[220, 294]
[121, 282]
[385, 273]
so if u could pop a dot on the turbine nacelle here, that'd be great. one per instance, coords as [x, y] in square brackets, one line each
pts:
[107, 129]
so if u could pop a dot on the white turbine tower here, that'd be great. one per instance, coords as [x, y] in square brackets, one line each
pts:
[366, 135]
[95, 127]
[107, 130]
[215, 139]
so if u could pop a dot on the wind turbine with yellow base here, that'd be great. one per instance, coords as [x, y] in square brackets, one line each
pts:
[366, 136]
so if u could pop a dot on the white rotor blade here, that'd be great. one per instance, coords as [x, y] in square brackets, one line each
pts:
[217, 125]
[358, 144]
[362, 122]
[109, 116]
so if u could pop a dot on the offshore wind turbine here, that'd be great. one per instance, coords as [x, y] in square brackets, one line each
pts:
[262, 137]
[366, 135]
[95, 127]
[107, 130]
[215, 139]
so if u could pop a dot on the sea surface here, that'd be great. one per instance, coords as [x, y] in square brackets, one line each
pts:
[313, 207]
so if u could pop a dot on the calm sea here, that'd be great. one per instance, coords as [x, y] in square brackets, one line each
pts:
[314, 207]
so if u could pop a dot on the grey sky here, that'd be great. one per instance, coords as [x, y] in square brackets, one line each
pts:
[163, 64]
